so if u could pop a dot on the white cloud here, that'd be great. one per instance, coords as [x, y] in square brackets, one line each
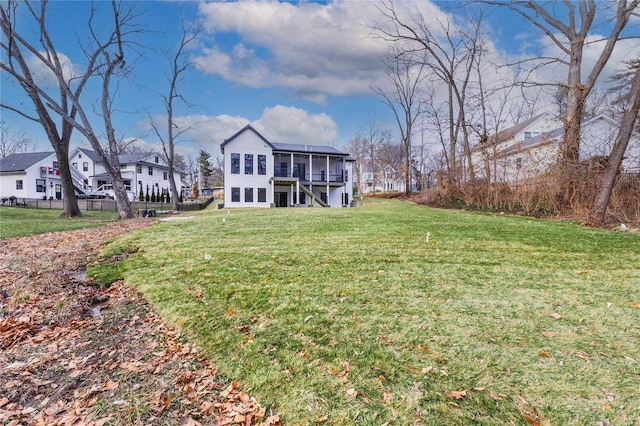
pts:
[315, 49]
[44, 76]
[295, 125]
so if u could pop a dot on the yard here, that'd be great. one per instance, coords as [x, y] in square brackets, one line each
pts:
[350, 316]
[20, 221]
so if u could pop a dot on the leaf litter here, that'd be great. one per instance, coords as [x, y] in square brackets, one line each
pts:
[71, 353]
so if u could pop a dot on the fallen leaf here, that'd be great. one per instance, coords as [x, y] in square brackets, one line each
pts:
[549, 334]
[531, 420]
[544, 354]
[457, 394]
[352, 392]
[423, 348]
[555, 315]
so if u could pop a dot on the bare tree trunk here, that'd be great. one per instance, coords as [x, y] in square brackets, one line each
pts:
[17, 67]
[601, 203]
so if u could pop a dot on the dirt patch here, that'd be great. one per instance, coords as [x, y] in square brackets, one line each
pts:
[74, 354]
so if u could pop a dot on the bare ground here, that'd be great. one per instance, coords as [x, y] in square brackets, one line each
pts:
[73, 354]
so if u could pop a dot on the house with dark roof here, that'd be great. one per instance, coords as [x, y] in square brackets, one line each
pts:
[36, 176]
[262, 173]
[530, 149]
[147, 171]
[30, 175]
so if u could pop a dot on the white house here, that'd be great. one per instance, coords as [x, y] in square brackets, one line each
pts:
[260, 173]
[531, 148]
[32, 175]
[147, 171]
[36, 175]
[385, 179]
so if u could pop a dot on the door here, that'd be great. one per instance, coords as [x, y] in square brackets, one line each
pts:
[58, 192]
[299, 170]
[281, 199]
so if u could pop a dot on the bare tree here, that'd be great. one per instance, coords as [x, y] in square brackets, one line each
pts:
[169, 138]
[12, 142]
[16, 64]
[450, 58]
[357, 149]
[569, 30]
[599, 208]
[406, 72]
[371, 138]
[105, 60]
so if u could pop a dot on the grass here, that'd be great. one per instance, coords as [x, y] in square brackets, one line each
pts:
[20, 221]
[348, 316]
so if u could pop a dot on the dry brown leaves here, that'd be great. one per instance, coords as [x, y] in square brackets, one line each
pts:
[71, 354]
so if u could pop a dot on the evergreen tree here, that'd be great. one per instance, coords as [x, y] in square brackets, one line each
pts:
[206, 170]
[141, 194]
[147, 198]
[168, 196]
[153, 194]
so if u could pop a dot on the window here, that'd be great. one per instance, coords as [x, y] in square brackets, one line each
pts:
[19, 184]
[139, 168]
[55, 164]
[75, 165]
[157, 159]
[123, 166]
[262, 164]
[165, 176]
[262, 195]
[235, 164]
[248, 164]
[127, 184]
[248, 195]
[41, 185]
[150, 171]
[235, 195]
[85, 166]
[79, 155]
[302, 198]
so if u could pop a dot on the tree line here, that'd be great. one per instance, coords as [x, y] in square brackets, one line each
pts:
[441, 81]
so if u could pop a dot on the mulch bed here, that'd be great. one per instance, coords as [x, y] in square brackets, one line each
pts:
[73, 354]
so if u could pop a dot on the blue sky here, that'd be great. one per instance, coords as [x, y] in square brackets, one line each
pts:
[297, 71]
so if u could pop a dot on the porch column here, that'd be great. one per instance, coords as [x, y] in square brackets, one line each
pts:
[291, 165]
[273, 201]
[298, 191]
[328, 180]
[311, 172]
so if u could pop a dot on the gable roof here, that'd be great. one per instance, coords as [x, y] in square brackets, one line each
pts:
[89, 153]
[555, 133]
[21, 162]
[286, 147]
[512, 131]
[239, 132]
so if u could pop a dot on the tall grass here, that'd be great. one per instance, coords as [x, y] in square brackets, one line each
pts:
[349, 316]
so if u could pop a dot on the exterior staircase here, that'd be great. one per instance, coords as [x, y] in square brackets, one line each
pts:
[313, 194]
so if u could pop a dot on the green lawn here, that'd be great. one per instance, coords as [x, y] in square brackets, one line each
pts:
[349, 316]
[20, 221]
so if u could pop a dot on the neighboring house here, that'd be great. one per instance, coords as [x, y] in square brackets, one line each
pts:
[31, 175]
[387, 179]
[260, 173]
[146, 171]
[530, 149]
[36, 175]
